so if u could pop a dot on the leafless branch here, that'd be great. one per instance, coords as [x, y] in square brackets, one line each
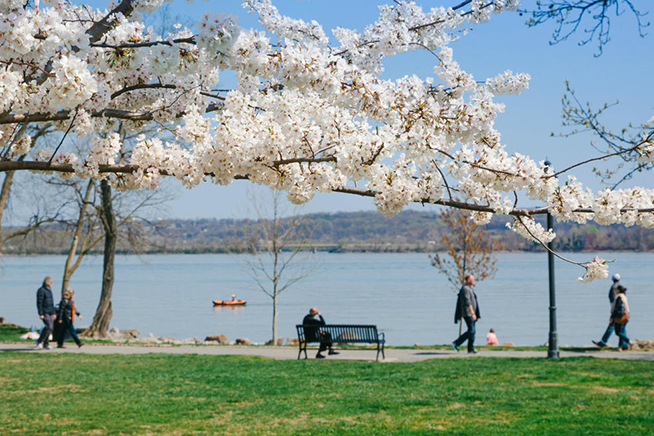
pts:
[570, 16]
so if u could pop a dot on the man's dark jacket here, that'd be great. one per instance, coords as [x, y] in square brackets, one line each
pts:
[311, 334]
[612, 291]
[44, 301]
[463, 301]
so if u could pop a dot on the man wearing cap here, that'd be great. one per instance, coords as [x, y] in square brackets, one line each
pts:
[611, 327]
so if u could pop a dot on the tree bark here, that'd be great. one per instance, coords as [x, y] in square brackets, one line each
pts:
[4, 197]
[70, 268]
[274, 323]
[103, 314]
[275, 286]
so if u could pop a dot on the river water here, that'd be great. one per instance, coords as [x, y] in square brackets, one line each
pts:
[171, 295]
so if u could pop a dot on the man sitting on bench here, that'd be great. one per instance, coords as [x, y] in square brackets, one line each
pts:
[316, 335]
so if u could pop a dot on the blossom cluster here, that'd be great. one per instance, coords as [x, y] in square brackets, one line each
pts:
[308, 115]
[598, 269]
[528, 228]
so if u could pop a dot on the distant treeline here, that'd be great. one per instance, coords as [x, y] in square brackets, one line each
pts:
[409, 231]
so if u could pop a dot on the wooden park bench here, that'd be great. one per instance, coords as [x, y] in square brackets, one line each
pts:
[340, 334]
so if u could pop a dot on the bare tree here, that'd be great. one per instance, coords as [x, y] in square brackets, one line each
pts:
[591, 16]
[104, 312]
[123, 218]
[469, 249]
[279, 251]
[85, 234]
[37, 219]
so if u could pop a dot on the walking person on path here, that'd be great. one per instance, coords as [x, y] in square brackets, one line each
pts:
[620, 317]
[611, 327]
[46, 309]
[67, 313]
[468, 309]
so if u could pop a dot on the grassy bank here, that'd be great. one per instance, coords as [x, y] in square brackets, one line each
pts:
[11, 332]
[192, 394]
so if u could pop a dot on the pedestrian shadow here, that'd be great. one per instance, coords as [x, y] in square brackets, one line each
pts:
[8, 350]
[432, 353]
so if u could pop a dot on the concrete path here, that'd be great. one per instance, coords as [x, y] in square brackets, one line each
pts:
[290, 353]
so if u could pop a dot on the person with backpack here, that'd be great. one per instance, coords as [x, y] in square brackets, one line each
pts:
[609, 330]
[67, 314]
[620, 317]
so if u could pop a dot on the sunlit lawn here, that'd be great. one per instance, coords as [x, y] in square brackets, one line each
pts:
[53, 393]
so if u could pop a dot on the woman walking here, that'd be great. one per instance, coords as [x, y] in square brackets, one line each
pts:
[620, 317]
[67, 313]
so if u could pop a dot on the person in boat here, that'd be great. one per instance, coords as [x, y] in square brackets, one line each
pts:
[315, 334]
[233, 298]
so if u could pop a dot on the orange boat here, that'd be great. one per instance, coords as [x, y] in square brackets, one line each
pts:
[229, 302]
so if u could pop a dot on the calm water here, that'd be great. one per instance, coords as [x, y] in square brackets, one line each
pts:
[171, 295]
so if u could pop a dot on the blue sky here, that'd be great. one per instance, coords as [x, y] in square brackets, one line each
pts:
[624, 72]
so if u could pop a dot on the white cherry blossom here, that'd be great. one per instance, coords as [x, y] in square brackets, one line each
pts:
[307, 115]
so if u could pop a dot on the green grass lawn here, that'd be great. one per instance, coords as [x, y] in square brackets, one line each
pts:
[194, 394]
[11, 332]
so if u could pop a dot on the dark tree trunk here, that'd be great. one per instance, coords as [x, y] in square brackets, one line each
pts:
[4, 197]
[103, 314]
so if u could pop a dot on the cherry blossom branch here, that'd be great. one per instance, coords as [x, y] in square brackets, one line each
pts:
[457, 7]
[100, 28]
[141, 86]
[648, 139]
[474, 165]
[277, 163]
[544, 245]
[442, 202]
[585, 265]
[447, 186]
[189, 40]
[108, 113]
[421, 26]
[70, 126]
[128, 169]
[27, 64]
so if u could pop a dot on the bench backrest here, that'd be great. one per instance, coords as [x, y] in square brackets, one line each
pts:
[344, 333]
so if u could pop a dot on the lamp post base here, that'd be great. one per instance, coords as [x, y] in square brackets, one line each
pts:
[553, 350]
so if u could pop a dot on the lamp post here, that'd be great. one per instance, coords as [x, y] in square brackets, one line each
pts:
[553, 350]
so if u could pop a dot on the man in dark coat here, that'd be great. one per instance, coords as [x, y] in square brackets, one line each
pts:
[46, 309]
[468, 309]
[609, 330]
[315, 334]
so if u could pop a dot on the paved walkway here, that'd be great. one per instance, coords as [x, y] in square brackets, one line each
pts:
[290, 353]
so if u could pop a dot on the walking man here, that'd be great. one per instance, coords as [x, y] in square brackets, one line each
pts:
[45, 307]
[611, 327]
[468, 309]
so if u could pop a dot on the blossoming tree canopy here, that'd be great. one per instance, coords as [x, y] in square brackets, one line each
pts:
[309, 113]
